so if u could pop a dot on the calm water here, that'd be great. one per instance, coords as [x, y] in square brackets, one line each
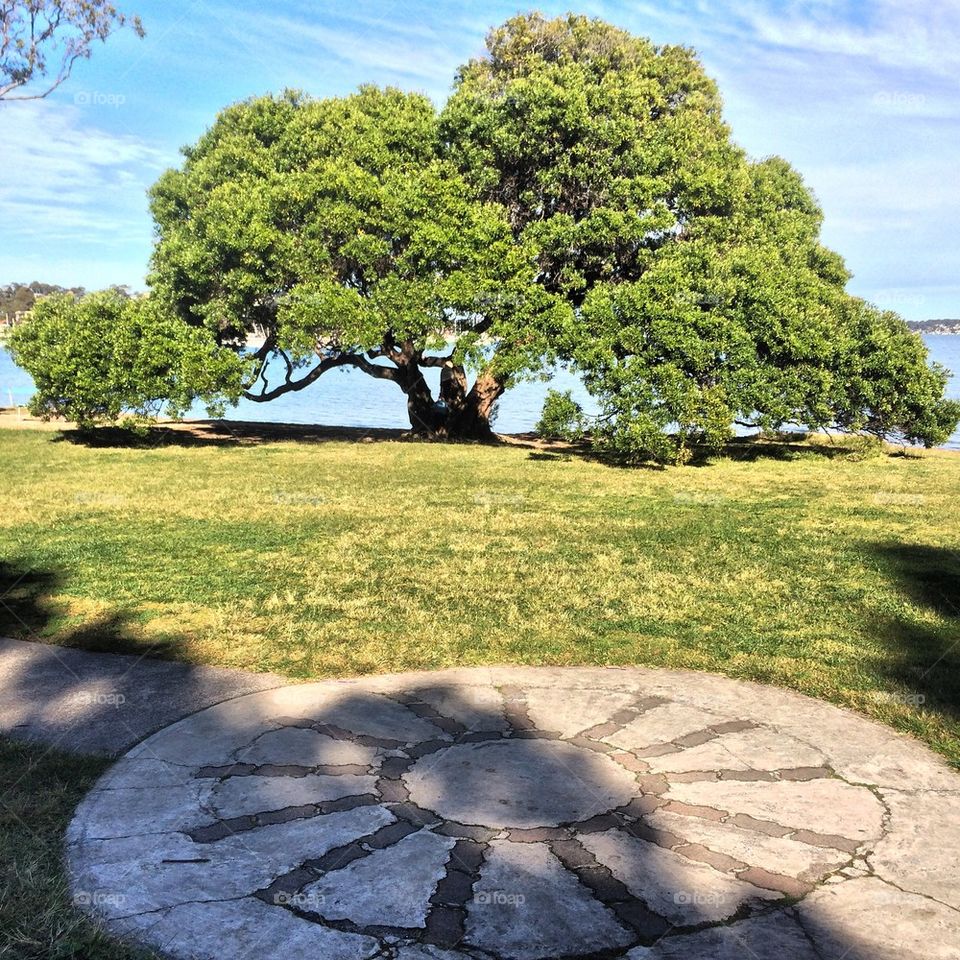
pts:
[350, 398]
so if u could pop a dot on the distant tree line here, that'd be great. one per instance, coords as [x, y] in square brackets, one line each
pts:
[934, 326]
[21, 297]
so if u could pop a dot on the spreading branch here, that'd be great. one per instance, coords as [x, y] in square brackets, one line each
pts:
[41, 40]
[291, 385]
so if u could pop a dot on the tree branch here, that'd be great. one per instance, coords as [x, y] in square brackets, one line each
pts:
[328, 363]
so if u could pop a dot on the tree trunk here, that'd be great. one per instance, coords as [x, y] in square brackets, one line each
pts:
[422, 411]
[470, 419]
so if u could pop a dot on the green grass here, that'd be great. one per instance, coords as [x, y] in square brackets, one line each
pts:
[797, 565]
[38, 790]
[836, 576]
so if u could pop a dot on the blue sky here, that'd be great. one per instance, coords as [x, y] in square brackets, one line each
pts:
[862, 97]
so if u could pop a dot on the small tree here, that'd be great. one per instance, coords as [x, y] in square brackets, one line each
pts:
[41, 40]
[106, 358]
[561, 418]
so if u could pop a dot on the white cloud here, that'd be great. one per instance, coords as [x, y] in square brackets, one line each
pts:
[382, 49]
[64, 178]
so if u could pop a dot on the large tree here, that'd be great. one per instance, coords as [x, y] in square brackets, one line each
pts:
[578, 198]
[337, 231]
[41, 40]
[701, 294]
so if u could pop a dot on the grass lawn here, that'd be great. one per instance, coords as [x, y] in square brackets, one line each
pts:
[38, 790]
[835, 576]
[801, 565]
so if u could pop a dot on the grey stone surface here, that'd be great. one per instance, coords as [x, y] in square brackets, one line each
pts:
[215, 836]
[824, 806]
[758, 749]
[687, 893]
[922, 853]
[391, 886]
[776, 854]
[103, 703]
[575, 710]
[519, 783]
[870, 920]
[665, 723]
[131, 875]
[238, 796]
[307, 748]
[776, 937]
[526, 905]
[424, 952]
[243, 930]
[476, 707]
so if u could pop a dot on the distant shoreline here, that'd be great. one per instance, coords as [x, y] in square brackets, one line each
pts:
[936, 327]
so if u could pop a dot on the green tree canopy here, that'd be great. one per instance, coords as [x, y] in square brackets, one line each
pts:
[105, 357]
[337, 231]
[580, 198]
[701, 293]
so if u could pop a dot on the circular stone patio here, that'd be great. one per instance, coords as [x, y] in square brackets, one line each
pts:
[526, 813]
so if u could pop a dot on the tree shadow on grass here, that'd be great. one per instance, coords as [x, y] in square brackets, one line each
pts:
[924, 657]
[29, 611]
[70, 695]
[223, 433]
[238, 433]
[784, 448]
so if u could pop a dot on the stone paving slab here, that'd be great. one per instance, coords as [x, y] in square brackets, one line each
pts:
[526, 814]
[104, 703]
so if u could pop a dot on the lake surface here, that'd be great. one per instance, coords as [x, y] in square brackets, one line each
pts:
[349, 398]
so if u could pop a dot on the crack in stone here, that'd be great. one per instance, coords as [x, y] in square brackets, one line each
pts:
[516, 709]
[809, 936]
[912, 893]
[446, 919]
[426, 711]
[631, 911]
[219, 829]
[295, 770]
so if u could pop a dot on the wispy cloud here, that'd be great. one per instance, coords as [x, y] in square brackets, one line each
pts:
[383, 50]
[72, 191]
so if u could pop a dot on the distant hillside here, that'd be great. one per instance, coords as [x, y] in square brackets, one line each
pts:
[935, 326]
[20, 297]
